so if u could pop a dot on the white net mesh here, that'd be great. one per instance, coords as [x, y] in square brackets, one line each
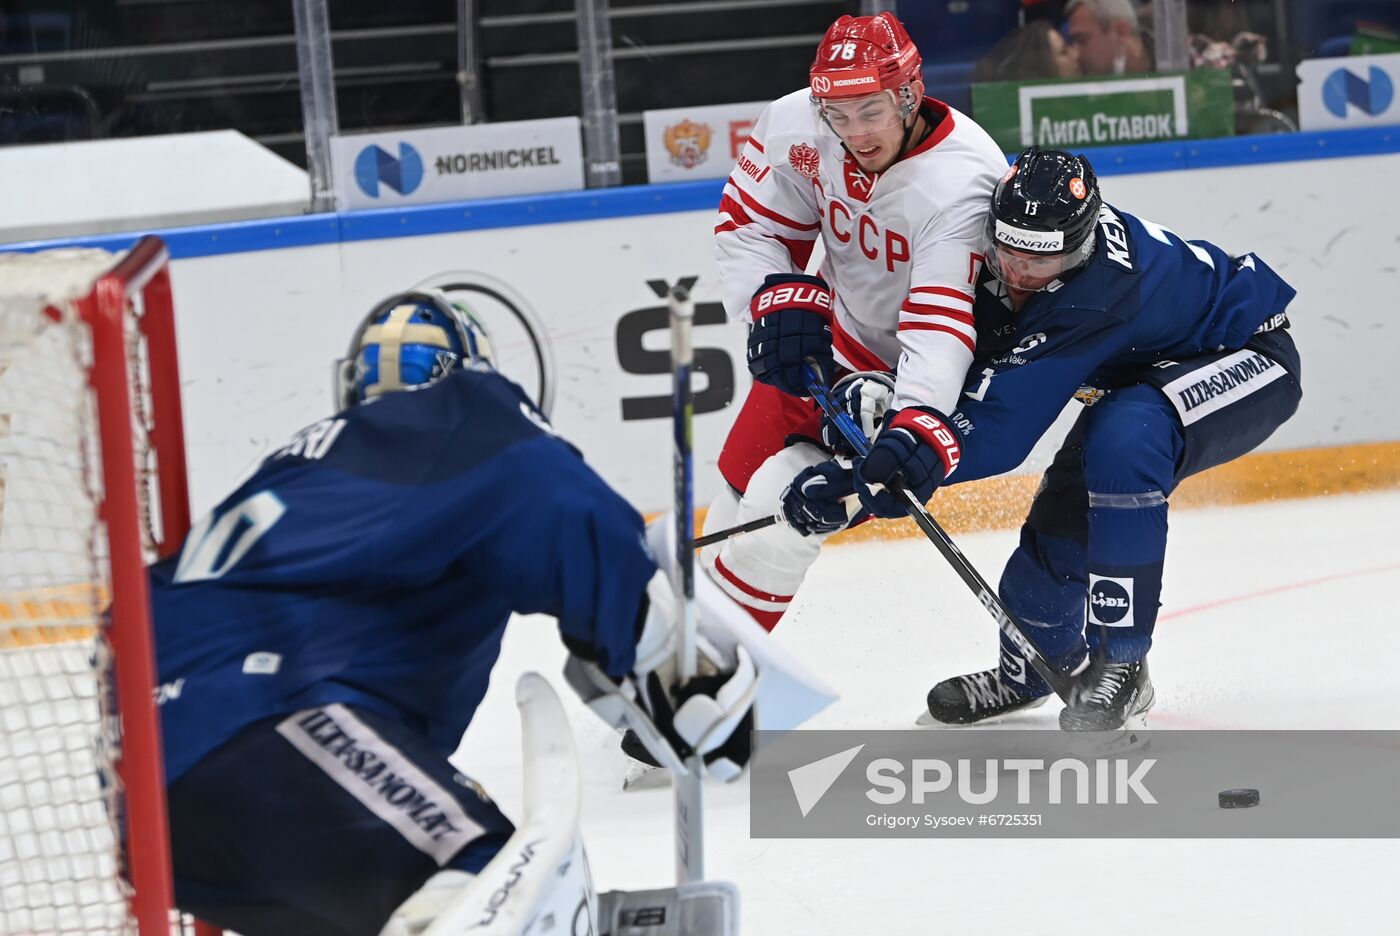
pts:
[58, 791]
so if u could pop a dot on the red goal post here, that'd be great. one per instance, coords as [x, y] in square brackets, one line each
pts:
[92, 487]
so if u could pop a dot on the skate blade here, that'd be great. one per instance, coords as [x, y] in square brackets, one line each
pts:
[1132, 738]
[925, 718]
[641, 777]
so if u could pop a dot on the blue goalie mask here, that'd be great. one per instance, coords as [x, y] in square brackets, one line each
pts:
[409, 341]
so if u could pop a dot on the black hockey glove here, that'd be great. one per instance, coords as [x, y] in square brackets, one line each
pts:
[791, 327]
[814, 502]
[918, 448]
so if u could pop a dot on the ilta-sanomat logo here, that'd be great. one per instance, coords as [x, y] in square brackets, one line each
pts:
[1371, 97]
[375, 167]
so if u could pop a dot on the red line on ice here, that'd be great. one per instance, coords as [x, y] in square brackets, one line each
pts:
[1249, 596]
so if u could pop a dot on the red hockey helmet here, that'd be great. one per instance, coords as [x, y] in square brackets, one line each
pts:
[861, 55]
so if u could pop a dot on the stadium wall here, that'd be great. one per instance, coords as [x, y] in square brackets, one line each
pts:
[572, 287]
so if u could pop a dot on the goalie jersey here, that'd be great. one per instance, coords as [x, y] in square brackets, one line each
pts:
[903, 248]
[1146, 300]
[375, 560]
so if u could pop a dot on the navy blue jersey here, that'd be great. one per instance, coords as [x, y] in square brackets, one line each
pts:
[1145, 296]
[375, 560]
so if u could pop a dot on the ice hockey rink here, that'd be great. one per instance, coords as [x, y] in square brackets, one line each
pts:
[1275, 615]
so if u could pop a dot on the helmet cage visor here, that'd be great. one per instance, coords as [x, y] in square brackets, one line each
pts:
[431, 349]
[1032, 260]
[873, 113]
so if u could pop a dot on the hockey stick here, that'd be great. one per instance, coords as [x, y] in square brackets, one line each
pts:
[719, 536]
[690, 831]
[988, 598]
[853, 506]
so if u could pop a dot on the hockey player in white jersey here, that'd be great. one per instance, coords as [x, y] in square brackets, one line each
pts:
[895, 185]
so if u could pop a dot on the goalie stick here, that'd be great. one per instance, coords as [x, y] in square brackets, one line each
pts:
[690, 831]
[988, 598]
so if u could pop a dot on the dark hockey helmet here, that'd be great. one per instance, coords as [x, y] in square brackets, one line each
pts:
[408, 341]
[1044, 211]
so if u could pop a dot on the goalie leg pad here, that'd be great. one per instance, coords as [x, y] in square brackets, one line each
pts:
[705, 908]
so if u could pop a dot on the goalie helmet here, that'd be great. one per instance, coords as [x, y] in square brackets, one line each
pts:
[408, 341]
[1044, 211]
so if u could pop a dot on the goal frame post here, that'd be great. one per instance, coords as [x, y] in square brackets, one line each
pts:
[143, 270]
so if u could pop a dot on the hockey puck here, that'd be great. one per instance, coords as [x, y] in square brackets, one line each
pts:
[1238, 799]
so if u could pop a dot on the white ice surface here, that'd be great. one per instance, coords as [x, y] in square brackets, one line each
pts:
[1274, 616]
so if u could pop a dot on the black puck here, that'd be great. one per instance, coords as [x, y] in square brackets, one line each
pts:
[1238, 799]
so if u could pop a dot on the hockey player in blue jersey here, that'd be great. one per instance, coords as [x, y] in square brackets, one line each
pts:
[1181, 354]
[326, 633]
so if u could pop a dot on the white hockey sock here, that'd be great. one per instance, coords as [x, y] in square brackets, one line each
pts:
[762, 570]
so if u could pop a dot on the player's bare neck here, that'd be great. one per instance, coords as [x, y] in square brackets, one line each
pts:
[926, 121]
[917, 134]
[1019, 297]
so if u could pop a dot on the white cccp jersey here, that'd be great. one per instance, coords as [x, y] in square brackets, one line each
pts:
[903, 248]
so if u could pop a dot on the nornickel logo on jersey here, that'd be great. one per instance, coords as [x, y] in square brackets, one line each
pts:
[805, 159]
[1110, 601]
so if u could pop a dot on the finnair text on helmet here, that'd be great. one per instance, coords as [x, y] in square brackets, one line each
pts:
[1029, 240]
[1107, 783]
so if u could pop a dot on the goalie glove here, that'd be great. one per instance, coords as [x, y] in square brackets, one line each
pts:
[710, 714]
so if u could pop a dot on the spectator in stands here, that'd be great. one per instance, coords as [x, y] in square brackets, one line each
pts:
[1108, 37]
[1034, 51]
[1221, 36]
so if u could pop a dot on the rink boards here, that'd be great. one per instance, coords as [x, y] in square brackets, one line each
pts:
[572, 287]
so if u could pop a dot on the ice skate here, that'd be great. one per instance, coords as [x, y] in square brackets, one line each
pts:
[1109, 697]
[976, 697]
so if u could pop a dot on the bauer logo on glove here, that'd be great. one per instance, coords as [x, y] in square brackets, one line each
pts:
[916, 448]
[791, 328]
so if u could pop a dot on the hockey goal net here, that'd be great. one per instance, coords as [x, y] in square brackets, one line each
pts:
[92, 486]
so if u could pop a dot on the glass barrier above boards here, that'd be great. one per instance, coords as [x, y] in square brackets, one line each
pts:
[116, 115]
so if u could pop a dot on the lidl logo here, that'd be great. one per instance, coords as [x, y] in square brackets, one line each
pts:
[375, 167]
[1344, 87]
